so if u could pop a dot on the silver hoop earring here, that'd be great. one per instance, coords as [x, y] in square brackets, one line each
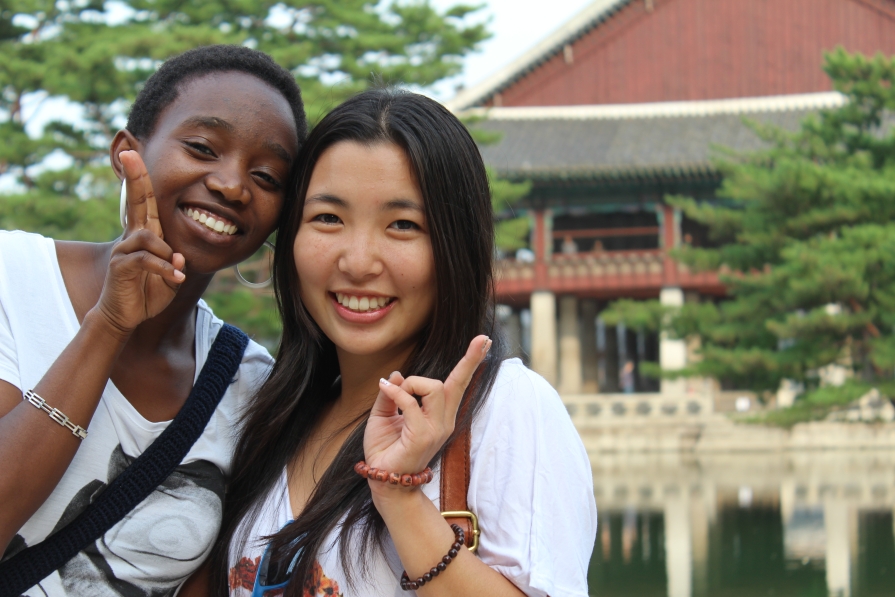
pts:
[122, 208]
[248, 284]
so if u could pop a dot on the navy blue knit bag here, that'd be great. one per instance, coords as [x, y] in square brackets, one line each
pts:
[31, 565]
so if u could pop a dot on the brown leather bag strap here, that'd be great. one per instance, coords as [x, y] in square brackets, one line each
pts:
[455, 473]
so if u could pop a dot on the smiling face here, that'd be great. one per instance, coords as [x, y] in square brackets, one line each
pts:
[363, 252]
[219, 159]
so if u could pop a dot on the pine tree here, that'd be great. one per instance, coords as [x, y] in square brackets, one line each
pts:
[96, 54]
[807, 245]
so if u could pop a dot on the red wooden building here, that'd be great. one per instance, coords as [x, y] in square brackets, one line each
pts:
[624, 104]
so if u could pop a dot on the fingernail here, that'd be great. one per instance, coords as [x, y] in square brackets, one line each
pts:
[384, 382]
[486, 345]
[179, 275]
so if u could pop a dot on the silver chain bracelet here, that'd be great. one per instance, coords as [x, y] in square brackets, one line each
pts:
[55, 414]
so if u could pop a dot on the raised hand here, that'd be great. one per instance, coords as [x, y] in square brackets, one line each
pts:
[405, 442]
[144, 272]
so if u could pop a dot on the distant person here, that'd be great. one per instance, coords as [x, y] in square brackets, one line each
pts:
[383, 271]
[106, 340]
[626, 376]
[569, 247]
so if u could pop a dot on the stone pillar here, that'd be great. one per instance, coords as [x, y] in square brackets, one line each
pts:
[678, 545]
[589, 358]
[838, 553]
[512, 325]
[672, 353]
[787, 500]
[787, 392]
[569, 346]
[543, 334]
[699, 530]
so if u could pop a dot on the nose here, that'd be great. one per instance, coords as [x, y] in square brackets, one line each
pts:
[360, 256]
[229, 182]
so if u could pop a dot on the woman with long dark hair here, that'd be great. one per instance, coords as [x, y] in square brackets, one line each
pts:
[383, 274]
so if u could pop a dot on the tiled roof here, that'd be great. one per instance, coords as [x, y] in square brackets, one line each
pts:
[574, 28]
[669, 140]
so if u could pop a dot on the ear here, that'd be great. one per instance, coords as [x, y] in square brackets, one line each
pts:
[124, 140]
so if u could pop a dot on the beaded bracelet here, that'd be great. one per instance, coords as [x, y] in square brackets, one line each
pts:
[405, 479]
[55, 414]
[413, 585]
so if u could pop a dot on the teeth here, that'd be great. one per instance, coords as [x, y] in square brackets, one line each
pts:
[210, 222]
[361, 304]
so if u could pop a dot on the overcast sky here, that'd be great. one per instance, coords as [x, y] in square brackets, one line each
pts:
[517, 25]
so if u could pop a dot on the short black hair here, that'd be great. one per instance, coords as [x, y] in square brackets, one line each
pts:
[163, 87]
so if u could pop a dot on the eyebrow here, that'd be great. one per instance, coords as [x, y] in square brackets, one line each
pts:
[394, 204]
[397, 204]
[279, 150]
[211, 122]
[328, 199]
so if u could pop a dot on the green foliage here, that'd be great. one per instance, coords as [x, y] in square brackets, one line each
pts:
[61, 217]
[72, 50]
[808, 244]
[255, 312]
[511, 233]
[814, 405]
[637, 315]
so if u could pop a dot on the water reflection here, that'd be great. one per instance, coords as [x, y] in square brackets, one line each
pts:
[745, 525]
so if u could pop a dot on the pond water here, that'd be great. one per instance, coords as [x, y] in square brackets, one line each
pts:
[745, 525]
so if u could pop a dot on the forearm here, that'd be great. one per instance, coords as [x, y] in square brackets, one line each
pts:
[35, 451]
[422, 537]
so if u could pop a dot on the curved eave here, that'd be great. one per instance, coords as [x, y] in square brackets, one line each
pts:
[639, 174]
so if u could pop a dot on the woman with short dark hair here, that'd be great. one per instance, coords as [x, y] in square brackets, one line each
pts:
[101, 492]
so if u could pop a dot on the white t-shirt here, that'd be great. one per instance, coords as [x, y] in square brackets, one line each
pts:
[531, 488]
[154, 548]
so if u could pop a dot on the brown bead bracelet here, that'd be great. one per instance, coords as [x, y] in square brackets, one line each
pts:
[413, 585]
[404, 479]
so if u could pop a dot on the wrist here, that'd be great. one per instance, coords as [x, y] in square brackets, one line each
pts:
[96, 321]
[395, 498]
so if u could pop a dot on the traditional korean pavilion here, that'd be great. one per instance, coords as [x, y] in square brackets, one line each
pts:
[628, 102]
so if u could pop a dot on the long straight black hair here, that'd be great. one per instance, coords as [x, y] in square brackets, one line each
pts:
[457, 201]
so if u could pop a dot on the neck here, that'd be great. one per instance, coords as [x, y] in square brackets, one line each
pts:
[361, 374]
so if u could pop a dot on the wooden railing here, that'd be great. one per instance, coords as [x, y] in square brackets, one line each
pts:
[607, 274]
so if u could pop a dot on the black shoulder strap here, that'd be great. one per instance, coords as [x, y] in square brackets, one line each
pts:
[31, 565]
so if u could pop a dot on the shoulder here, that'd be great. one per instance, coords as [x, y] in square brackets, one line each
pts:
[520, 392]
[28, 267]
[256, 360]
[523, 446]
[523, 413]
[16, 243]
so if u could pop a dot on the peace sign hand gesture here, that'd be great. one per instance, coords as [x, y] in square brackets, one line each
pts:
[144, 272]
[405, 441]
